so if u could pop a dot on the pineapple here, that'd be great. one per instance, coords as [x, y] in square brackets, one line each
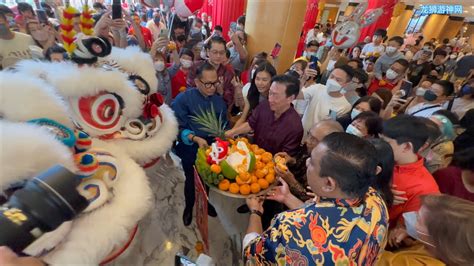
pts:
[210, 123]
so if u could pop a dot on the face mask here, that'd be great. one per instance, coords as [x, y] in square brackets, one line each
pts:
[40, 35]
[331, 65]
[333, 86]
[203, 54]
[420, 91]
[410, 224]
[354, 131]
[391, 50]
[186, 63]
[195, 30]
[4, 31]
[355, 113]
[426, 48]
[351, 86]
[308, 54]
[391, 75]
[430, 96]
[453, 56]
[159, 66]
[466, 90]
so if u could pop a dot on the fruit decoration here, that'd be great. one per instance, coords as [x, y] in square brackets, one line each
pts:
[236, 166]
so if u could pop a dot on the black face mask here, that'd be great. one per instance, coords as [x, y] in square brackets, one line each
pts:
[432, 77]
[430, 96]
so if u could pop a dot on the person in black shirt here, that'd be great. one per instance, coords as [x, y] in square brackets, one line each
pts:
[420, 68]
[438, 63]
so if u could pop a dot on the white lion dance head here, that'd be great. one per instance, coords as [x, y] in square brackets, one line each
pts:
[119, 123]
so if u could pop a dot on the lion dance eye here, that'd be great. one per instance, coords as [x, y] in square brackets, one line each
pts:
[102, 112]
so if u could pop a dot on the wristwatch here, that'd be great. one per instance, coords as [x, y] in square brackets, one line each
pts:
[259, 213]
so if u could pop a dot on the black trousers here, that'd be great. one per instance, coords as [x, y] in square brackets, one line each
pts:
[187, 153]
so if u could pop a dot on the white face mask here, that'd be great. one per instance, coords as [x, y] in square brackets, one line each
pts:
[309, 54]
[186, 63]
[333, 86]
[391, 75]
[331, 65]
[159, 66]
[453, 56]
[420, 91]
[391, 50]
[354, 131]
[410, 223]
[203, 54]
[355, 113]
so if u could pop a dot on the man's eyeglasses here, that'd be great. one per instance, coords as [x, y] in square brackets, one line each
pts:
[208, 85]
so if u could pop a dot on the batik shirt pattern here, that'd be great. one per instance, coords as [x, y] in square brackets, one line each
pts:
[325, 232]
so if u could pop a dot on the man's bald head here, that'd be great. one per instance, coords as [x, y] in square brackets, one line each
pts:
[321, 130]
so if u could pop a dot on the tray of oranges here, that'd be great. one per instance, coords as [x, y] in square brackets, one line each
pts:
[236, 168]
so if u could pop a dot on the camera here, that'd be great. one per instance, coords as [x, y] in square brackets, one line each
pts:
[41, 206]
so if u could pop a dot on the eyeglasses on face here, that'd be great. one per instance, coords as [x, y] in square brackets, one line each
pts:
[208, 85]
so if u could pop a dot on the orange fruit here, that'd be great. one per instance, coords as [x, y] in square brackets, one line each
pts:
[245, 176]
[271, 171]
[260, 173]
[270, 178]
[239, 181]
[253, 179]
[270, 165]
[263, 183]
[234, 188]
[216, 168]
[224, 184]
[245, 189]
[259, 165]
[254, 147]
[255, 188]
[259, 151]
[267, 157]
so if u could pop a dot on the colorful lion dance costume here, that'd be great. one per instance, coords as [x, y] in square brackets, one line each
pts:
[103, 122]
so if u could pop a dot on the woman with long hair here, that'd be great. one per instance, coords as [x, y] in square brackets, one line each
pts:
[258, 90]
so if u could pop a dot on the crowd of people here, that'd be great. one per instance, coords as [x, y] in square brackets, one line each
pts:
[379, 138]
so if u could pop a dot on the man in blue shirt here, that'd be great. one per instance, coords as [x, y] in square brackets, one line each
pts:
[191, 103]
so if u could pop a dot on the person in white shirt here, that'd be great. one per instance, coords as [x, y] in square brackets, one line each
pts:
[375, 47]
[14, 46]
[315, 34]
[435, 97]
[155, 25]
[327, 101]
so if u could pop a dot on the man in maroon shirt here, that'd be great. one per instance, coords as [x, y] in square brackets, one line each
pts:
[216, 52]
[276, 123]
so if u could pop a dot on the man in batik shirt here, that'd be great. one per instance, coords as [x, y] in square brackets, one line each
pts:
[346, 223]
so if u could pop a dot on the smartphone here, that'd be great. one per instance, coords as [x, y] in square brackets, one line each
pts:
[314, 61]
[116, 9]
[406, 87]
[42, 17]
[233, 26]
[276, 50]
[164, 33]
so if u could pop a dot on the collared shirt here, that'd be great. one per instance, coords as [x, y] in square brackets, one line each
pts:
[415, 180]
[276, 135]
[327, 232]
[192, 103]
[226, 72]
